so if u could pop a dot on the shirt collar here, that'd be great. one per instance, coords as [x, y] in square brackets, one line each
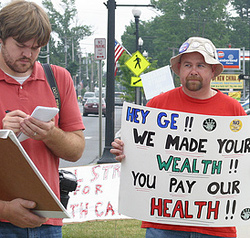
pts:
[37, 74]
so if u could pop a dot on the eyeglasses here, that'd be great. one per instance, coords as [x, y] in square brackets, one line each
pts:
[207, 47]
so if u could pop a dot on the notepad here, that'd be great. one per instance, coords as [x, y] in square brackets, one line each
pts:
[43, 114]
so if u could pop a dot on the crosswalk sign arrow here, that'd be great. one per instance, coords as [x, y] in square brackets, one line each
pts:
[136, 82]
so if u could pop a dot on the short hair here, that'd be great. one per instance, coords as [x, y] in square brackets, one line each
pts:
[24, 21]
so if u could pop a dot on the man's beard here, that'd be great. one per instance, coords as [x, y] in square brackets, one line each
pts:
[194, 85]
[14, 65]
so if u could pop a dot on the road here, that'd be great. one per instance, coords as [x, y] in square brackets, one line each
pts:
[91, 152]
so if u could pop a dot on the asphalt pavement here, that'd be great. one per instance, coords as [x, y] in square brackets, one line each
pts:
[92, 138]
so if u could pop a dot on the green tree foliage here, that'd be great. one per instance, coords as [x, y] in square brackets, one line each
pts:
[65, 41]
[181, 19]
[240, 24]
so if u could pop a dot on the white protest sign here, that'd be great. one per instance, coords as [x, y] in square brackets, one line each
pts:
[96, 196]
[157, 82]
[185, 169]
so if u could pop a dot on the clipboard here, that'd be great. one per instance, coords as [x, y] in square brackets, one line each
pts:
[19, 178]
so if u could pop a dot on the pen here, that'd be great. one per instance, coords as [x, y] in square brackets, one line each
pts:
[7, 111]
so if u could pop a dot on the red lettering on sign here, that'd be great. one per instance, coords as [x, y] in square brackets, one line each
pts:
[84, 210]
[96, 209]
[98, 188]
[110, 208]
[73, 206]
[96, 175]
[86, 190]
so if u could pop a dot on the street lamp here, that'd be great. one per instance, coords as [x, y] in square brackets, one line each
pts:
[137, 13]
[140, 43]
[145, 54]
[139, 93]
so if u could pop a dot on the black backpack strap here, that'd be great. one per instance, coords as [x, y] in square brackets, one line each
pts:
[52, 82]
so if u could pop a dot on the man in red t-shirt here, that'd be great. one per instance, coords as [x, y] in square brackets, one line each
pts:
[196, 65]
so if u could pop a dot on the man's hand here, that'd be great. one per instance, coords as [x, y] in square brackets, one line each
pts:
[19, 214]
[37, 129]
[68, 145]
[118, 149]
[12, 120]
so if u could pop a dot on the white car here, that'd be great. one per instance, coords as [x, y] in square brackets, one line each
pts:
[87, 95]
[119, 98]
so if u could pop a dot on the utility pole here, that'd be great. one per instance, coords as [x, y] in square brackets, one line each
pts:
[137, 14]
[80, 66]
[73, 52]
[65, 52]
[48, 53]
[92, 75]
[87, 70]
[107, 157]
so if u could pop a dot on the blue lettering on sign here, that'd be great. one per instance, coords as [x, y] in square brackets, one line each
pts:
[230, 58]
[163, 123]
[134, 114]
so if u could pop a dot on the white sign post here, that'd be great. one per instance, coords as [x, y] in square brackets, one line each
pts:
[100, 48]
[100, 54]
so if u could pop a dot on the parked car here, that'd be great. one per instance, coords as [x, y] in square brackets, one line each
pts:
[119, 98]
[86, 96]
[91, 106]
[97, 94]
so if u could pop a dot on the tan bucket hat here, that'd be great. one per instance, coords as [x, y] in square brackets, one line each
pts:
[201, 45]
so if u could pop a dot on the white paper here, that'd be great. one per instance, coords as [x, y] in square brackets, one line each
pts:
[42, 114]
[184, 168]
[96, 196]
[157, 82]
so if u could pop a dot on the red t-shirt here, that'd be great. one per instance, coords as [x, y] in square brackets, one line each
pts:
[219, 105]
[36, 91]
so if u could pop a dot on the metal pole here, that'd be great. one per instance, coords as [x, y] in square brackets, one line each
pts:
[48, 53]
[87, 71]
[100, 108]
[107, 157]
[249, 63]
[92, 75]
[137, 89]
[73, 53]
[65, 52]
[80, 67]
[244, 72]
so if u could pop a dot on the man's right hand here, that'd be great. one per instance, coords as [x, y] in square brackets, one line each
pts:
[12, 120]
[118, 149]
[18, 213]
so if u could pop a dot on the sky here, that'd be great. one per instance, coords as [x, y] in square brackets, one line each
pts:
[94, 13]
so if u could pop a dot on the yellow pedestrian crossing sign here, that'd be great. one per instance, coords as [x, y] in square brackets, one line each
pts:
[136, 82]
[137, 63]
